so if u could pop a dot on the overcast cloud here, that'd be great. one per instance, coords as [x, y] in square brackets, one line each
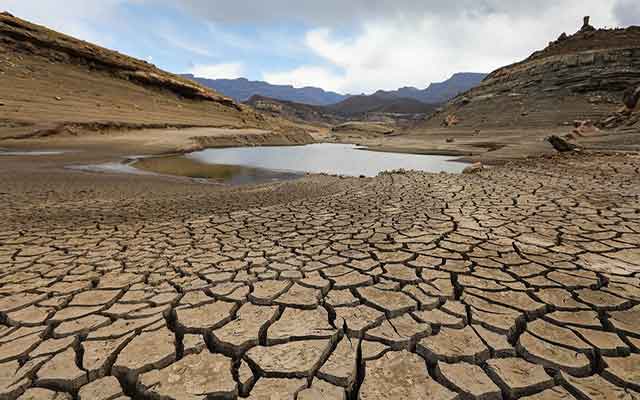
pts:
[349, 46]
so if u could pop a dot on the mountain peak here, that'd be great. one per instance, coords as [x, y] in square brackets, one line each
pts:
[242, 89]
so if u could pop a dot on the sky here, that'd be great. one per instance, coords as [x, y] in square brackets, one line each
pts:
[348, 46]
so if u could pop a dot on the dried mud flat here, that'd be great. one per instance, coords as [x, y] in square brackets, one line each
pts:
[522, 281]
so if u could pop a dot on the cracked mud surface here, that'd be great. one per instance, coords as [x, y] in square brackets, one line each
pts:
[520, 282]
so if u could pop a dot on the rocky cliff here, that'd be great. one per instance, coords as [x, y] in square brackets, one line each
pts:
[577, 77]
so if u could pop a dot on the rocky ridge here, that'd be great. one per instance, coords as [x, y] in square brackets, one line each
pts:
[577, 77]
[51, 80]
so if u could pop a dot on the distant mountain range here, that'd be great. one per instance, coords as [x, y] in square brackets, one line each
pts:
[242, 90]
[438, 93]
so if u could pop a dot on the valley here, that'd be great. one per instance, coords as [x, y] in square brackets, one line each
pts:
[163, 241]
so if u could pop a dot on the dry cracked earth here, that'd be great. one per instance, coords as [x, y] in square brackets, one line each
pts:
[519, 282]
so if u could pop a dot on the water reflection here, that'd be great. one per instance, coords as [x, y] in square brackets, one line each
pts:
[340, 159]
[230, 174]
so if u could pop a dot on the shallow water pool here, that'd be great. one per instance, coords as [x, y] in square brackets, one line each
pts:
[329, 158]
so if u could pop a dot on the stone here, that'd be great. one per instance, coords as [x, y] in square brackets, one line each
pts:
[473, 168]
[586, 26]
[560, 145]
[450, 120]
[631, 98]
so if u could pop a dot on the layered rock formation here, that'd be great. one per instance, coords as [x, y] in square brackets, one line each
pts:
[577, 77]
[304, 113]
[51, 80]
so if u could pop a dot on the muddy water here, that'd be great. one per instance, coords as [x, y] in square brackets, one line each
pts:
[340, 159]
[243, 165]
[192, 168]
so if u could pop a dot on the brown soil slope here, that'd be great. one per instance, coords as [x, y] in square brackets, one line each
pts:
[50, 79]
[292, 111]
[577, 77]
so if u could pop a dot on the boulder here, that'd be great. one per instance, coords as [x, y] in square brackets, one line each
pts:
[450, 120]
[586, 26]
[631, 97]
[473, 168]
[583, 128]
[560, 145]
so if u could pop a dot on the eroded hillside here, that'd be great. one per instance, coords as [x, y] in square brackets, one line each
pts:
[50, 80]
[577, 77]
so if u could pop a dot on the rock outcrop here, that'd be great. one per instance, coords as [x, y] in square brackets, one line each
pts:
[560, 145]
[577, 77]
[631, 98]
[298, 112]
[363, 127]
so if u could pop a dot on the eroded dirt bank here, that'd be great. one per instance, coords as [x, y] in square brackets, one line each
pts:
[520, 280]
[126, 142]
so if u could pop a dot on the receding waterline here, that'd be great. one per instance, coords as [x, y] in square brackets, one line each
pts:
[329, 158]
[6, 152]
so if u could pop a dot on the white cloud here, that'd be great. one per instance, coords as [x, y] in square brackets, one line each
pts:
[353, 46]
[219, 71]
[417, 50]
[186, 45]
[307, 76]
[627, 12]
